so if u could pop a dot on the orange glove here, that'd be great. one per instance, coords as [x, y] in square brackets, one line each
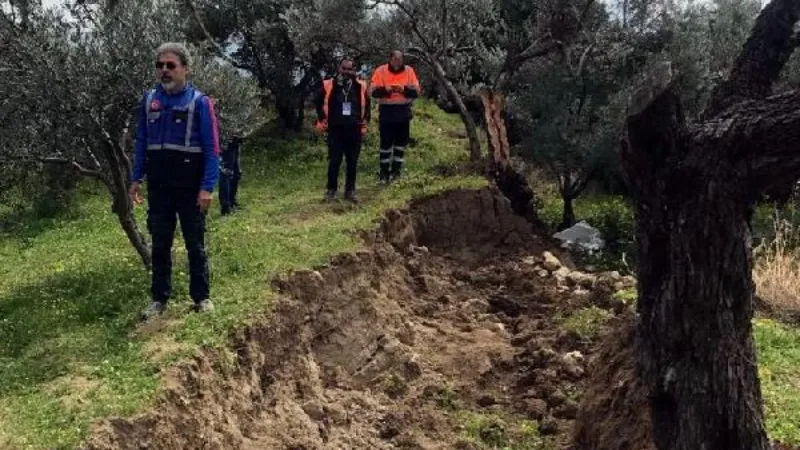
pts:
[321, 125]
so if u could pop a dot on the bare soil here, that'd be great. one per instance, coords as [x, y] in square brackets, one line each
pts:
[450, 311]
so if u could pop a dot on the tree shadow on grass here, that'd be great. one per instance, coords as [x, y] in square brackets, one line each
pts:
[76, 317]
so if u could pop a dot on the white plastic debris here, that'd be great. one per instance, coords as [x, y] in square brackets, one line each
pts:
[583, 236]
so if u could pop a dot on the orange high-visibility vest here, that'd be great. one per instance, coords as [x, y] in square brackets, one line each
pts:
[383, 77]
[327, 86]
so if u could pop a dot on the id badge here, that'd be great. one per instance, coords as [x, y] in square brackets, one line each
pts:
[347, 108]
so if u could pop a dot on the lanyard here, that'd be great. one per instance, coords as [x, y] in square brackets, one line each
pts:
[346, 93]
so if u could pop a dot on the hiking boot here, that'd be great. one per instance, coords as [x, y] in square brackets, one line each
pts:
[330, 196]
[351, 196]
[155, 309]
[203, 306]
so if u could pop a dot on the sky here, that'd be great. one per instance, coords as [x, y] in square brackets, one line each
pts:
[49, 3]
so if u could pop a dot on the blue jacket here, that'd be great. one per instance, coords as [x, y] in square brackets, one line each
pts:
[177, 140]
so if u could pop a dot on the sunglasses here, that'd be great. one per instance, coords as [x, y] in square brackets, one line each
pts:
[169, 65]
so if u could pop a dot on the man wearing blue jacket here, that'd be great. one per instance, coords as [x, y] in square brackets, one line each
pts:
[177, 150]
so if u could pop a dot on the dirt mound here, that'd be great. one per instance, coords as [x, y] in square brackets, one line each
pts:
[614, 413]
[439, 335]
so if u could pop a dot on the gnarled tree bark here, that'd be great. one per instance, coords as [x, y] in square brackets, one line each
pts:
[695, 185]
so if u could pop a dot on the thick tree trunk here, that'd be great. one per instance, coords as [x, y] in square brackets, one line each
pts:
[694, 344]
[463, 112]
[568, 214]
[695, 186]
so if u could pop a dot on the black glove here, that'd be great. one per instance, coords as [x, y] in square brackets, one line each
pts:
[410, 92]
[380, 92]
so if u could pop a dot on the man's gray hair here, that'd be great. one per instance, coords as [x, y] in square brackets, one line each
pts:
[177, 48]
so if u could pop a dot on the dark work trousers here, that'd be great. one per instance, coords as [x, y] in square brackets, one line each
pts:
[394, 140]
[166, 205]
[229, 176]
[228, 186]
[343, 142]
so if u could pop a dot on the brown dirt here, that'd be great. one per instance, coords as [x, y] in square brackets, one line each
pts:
[614, 413]
[446, 312]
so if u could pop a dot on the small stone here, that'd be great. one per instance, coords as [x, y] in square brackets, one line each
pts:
[581, 292]
[500, 328]
[476, 305]
[529, 260]
[573, 364]
[314, 410]
[615, 276]
[562, 273]
[543, 273]
[551, 263]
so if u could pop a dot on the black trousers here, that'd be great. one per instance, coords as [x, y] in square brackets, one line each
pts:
[228, 186]
[394, 140]
[165, 206]
[229, 176]
[344, 142]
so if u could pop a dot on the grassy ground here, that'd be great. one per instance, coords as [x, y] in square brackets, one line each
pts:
[71, 349]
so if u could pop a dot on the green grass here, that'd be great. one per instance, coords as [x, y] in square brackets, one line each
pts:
[71, 348]
[779, 369]
[488, 431]
[586, 322]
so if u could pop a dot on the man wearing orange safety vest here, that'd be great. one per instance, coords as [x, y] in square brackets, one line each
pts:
[343, 111]
[395, 85]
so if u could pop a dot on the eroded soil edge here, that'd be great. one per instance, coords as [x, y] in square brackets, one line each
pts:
[445, 332]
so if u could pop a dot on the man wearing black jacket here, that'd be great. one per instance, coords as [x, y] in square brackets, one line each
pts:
[343, 111]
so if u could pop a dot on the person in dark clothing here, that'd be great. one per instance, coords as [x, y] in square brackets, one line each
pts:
[395, 85]
[343, 111]
[230, 174]
[177, 150]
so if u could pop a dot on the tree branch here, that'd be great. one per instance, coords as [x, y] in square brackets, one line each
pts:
[207, 34]
[78, 167]
[411, 17]
[764, 54]
[762, 138]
